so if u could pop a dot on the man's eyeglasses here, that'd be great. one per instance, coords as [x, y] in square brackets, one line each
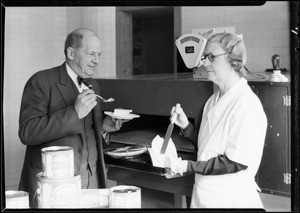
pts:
[211, 57]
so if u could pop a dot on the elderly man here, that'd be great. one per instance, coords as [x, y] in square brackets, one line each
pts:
[59, 109]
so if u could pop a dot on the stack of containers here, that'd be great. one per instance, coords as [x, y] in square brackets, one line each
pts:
[58, 187]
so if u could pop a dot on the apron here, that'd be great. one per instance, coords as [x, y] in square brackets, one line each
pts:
[234, 125]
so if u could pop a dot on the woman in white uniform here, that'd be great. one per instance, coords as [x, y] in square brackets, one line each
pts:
[231, 137]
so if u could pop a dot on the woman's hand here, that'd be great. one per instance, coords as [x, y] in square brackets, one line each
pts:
[111, 124]
[181, 119]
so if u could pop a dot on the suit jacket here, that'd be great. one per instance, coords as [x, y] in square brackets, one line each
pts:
[48, 118]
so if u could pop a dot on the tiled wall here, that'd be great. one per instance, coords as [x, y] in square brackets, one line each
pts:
[34, 40]
[103, 21]
[265, 29]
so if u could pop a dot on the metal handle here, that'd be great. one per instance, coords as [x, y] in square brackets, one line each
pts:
[173, 117]
[276, 61]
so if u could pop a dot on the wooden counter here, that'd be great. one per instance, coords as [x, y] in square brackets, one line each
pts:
[152, 97]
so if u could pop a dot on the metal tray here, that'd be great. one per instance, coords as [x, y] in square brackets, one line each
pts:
[141, 161]
[127, 151]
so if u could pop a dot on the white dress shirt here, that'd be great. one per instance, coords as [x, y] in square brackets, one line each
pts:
[74, 76]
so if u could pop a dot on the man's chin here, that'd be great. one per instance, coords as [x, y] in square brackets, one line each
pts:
[90, 72]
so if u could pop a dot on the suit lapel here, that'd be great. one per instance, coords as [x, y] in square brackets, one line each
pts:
[67, 91]
[96, 112]
[97, 120]
[65, 86]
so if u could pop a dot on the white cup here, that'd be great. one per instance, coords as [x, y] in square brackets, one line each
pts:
[16, 199]
[125, 197]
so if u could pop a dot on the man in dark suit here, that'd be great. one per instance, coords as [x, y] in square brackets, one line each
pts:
[59, 110]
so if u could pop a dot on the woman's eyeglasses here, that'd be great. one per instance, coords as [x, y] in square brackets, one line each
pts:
[211, 57]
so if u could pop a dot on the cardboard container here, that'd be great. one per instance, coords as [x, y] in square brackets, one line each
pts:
[16, 199]
[94, 198]
[58, 162]
[59, 193]
[125, 197]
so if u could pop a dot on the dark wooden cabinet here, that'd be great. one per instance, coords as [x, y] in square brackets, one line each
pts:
[274, 175]
[152, 96]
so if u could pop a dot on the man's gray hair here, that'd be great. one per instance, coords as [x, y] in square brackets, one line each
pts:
[74, 39]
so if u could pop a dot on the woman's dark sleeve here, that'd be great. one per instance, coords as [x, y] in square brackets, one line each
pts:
[191, 133]
[215, 166]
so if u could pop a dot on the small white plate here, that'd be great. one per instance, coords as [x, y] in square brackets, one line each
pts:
[126, 117]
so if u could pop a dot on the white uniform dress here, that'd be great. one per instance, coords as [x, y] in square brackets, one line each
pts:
[234, 125]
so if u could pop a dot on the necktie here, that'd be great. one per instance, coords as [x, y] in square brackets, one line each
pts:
[86, 81]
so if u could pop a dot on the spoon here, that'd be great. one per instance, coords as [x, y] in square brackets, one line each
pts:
[105, 100]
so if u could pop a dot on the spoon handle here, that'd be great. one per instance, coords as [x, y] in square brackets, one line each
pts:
[104, 100]
[100, 97]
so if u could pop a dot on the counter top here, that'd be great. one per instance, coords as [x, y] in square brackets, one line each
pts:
[161, 76]
[188, 76]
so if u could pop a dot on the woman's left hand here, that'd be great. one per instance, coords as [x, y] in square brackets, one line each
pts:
[111, 124]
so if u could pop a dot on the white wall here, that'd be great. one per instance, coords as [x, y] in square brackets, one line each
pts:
[265, 29]
[34, 40]
[103, 21]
